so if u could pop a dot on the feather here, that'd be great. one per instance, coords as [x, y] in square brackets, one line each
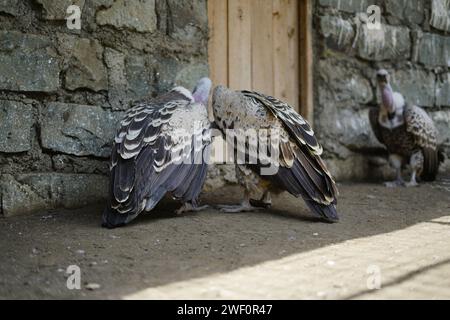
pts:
[298, 128]
[287, 155]
[420, 125]
[430, 164]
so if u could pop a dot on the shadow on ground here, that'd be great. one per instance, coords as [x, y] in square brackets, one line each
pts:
[162, 248]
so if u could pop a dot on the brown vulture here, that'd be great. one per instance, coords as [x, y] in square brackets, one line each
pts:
[275, 150]
[407, 132]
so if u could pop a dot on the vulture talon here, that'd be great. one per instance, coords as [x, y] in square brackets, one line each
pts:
[411, 184]
[394, 184]
[238, 208]
[260, 204]
[187, 207]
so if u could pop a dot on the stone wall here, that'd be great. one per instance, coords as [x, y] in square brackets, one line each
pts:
[413, 44]
[62, 91]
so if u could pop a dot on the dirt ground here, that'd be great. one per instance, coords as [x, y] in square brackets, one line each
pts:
[402, 234]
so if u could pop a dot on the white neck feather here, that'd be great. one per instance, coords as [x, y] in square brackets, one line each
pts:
[399, 101]
[398, 119]
[185, 92]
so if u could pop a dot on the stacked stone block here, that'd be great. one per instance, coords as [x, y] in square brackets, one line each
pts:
[63, 90]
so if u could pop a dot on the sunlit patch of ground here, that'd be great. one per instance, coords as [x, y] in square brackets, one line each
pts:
[410, 263]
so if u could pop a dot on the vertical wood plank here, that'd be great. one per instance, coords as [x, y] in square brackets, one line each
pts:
[293, 72]
[218, 40]
[264, 45]
[239, 39]
[280, 49]
[306, 61]
[262, 41]
[218, 43]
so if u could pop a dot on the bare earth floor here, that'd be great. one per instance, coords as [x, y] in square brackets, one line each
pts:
[397, 238]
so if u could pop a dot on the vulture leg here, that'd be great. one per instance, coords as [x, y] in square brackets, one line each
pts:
[245, 205]
[265, 202]
[413, 182]
[396, 162]
[188, 207]
[416, 163]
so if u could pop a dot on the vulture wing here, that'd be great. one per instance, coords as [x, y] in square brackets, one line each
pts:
[153, 154]
[302, 172]
[299, 129]
[419, 124]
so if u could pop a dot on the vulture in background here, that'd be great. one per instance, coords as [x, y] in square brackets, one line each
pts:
[408, 134]
[161, 147]
[294, 152]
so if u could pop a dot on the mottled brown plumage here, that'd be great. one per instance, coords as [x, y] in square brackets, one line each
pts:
[407, 132]
[300, 169]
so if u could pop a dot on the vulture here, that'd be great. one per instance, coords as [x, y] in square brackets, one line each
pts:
[280, 154]
[408, 134]
[162, 147]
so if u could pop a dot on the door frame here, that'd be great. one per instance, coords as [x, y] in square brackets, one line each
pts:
[306, 60]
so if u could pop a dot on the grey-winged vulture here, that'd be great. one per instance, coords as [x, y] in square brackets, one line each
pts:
[162, 147]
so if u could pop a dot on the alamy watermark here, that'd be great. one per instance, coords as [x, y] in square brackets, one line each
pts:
[73, 20]
[373, 281]
[73, 281]
[373, 17]
[251, 147]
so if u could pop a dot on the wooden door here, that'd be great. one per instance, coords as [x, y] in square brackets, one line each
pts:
[260, 45]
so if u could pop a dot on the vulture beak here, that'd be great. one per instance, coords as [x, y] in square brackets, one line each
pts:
[382, 78]
[382, 81]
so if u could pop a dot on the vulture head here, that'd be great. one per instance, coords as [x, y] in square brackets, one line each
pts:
[224, 98]
[218, 93]
[387, 95]
[201, 91]
[383, 78]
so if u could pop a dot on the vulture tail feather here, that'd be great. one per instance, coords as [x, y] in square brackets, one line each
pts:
[153, 200]
[430, 164]
[327, 212]
[112, 218]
